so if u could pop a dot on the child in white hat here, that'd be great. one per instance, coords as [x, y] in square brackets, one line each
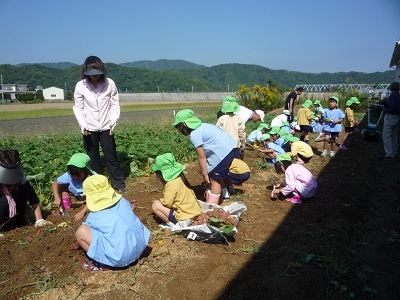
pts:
[179, 202]
[112, 235]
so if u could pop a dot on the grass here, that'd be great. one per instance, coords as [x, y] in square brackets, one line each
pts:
[36, 112]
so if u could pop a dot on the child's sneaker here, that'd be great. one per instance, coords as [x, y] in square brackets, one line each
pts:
[231, 189]
[93, 266]
[343, 147]
[324, 153]
[332, 153]
[295, 199]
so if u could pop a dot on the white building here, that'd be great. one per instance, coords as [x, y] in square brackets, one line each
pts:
[53, 93]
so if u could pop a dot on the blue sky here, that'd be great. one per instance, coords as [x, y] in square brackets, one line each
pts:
[307, 36]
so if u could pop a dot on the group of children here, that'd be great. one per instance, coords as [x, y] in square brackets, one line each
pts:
[218, 150]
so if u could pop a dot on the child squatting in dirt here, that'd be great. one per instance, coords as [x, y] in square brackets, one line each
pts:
[70, 183]
[299, 183]
[110, 213]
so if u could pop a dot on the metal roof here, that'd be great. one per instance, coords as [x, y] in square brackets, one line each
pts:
[396, 55]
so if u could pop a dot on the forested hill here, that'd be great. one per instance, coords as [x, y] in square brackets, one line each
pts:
[198, 78]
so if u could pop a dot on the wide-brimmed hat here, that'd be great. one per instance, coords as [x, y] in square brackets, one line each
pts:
[283, 156]
[79, 160]
[307, 103]
[263, 126]
[286, 112]
[355, 100]
[349, 103]
[286, 123]
[317, 102]
[187, 116]
[89, 72]
[261, 114]
[282, 132]
[291, 138]
[265, 137]
[99, 193]
[11, 174]
[274, 130]
[168, 166]
[230, 105]
[335, 98]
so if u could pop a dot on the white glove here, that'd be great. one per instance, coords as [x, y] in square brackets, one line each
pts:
[316, 119]
[42, 223]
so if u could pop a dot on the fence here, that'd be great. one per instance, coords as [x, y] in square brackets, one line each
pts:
[180, 96]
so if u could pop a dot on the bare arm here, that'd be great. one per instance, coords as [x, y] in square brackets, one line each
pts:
[201, 157]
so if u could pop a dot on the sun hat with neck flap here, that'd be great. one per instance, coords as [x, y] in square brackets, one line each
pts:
[79, 160]
[99, 193]
[187, 116]
[168, 166]
[283, 156]
[230, 105]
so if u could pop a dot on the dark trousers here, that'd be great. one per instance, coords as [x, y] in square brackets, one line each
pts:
[91, 143]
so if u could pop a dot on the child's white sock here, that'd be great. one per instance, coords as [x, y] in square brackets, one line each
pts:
[225, 193]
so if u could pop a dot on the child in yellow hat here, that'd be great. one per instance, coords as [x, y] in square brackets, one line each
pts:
[179, 202]
[112, 234]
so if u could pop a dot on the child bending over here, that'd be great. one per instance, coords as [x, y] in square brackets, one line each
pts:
[70, 183]
[299, 183]
[112, 234]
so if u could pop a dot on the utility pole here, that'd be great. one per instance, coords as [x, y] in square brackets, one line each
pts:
[2, 94]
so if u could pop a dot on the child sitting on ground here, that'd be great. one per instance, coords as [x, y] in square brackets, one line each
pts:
[271, 150]
[349, 122]
[332, 125]
[299, 183]
[179, 202]
[304, 120]
[298, 149]
[70, 183]
[112, 234]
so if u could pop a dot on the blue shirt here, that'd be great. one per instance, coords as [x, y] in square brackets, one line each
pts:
[75, 187]
[216, 142]
[276, 148]
[280, 142]
[333, 114]
[254, 135]
[118, 236]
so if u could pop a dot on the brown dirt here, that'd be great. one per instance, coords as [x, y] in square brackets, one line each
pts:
[341, 244]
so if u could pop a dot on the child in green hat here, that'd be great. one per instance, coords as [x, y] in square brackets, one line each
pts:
[349, 122]
[215, 152]
[271, 150]
[298, 149]
[299, 182]
[333, 118]
[232, 123]
[179, 202]
[304, 119]
[70, 183]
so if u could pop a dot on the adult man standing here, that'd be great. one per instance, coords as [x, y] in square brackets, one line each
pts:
[289, 103]
[391, 122]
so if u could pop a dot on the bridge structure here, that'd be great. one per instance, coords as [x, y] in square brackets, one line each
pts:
[363, 88]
